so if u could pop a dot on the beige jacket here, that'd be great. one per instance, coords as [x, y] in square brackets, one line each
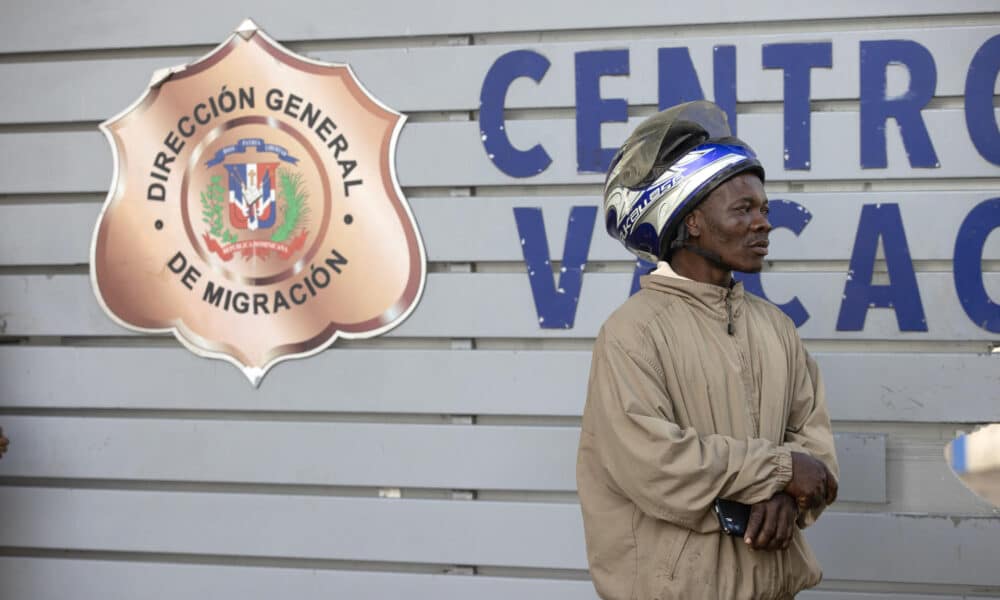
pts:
[680, 413]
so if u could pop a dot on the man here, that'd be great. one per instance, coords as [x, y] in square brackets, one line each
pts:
[699, 391]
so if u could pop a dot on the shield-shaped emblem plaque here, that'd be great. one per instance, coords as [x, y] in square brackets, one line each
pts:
[254, 210]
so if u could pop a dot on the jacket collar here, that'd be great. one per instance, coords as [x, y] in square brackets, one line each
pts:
[711, 298]
[664, 268]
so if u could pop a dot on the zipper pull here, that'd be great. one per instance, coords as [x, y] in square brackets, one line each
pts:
[729, 311]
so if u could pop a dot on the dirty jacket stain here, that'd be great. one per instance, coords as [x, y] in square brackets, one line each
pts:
[680, 412]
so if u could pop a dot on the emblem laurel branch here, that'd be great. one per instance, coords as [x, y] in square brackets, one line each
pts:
[295, 195]
[213, 201]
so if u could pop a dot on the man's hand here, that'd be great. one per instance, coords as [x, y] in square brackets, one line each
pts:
[812, 484]
[772, 523]
[3, 443]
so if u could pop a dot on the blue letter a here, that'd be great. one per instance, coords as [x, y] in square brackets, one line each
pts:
[881, 221]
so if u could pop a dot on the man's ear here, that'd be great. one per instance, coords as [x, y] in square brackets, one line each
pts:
[693, 223]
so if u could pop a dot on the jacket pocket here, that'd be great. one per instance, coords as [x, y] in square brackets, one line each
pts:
[660, 545]
[671, 585]
[673, 554]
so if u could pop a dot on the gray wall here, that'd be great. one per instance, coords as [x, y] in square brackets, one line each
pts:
[437, 461]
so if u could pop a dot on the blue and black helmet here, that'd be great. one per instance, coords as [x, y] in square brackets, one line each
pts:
[670, 163]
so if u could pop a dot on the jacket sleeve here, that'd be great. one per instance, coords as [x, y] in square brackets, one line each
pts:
[809, 429]
[671, 473]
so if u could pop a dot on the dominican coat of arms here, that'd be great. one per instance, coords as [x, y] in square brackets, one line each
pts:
[255, 211]
[250, 205]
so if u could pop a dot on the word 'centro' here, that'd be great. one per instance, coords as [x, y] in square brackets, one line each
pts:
[227, 102]
[315, 280]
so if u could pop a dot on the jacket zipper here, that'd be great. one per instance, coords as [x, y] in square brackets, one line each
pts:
[729, 311]
[744, 367]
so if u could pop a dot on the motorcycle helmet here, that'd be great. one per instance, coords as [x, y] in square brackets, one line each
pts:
[671, 162]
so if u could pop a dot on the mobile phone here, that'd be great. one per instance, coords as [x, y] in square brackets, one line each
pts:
[733, 516]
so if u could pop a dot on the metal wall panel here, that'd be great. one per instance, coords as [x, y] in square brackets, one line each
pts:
[866, 387]
[60, 234]
[450, 78]
[466, 305]
[543, 535]
[451, 153]
[110, 24]
[871, 547]
[346, 454]
[433, 154]
[55, 579]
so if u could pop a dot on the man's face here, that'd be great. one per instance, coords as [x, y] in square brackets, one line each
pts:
[732, 222]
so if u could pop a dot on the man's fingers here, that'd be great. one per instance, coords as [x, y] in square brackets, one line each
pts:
[786, 517]
[767, 528]
[754, 523]
[780, 513]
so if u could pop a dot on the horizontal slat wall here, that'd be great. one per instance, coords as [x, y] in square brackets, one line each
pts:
[449, 78]
[462, 148]
[262, 525]
[54, 579]
[354, 454]
[500, 534]
[135, 465]
[56, 234]
[458, 158]
[109, 24]
[462, 305]
[861, 387]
